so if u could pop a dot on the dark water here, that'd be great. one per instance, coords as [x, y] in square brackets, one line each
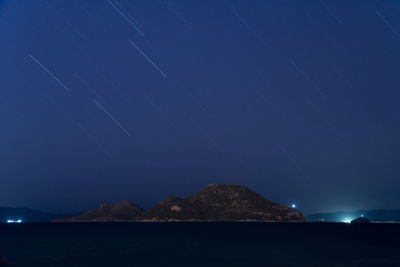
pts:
[199, 244]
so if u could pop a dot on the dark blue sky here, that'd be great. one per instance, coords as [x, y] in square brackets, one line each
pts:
[111, 100]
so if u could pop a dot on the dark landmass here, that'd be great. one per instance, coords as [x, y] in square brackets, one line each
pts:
[26, 215]
[381, 215]
[217, 202]
[221, 203]
[122, 211]
[360, 220]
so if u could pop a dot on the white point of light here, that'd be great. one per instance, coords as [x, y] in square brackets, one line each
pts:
[362, 215]
[293, 206]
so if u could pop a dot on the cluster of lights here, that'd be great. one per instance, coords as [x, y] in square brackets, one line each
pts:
[347, 220]
[14, 221]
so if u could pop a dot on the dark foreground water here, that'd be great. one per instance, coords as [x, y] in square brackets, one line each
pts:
[199, 244]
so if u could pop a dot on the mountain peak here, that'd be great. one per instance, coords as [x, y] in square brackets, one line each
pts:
[105, 205]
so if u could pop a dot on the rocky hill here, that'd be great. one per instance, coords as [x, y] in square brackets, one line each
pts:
[217, 202]
[122, 211]
[221, 202]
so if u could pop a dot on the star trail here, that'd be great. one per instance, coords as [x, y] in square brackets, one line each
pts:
[110, 100]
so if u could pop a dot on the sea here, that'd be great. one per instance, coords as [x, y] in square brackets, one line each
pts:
[199, 244]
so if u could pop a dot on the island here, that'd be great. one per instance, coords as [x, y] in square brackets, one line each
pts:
[215, 203]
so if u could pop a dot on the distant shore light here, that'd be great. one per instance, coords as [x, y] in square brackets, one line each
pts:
[14, 221]
[347, 220]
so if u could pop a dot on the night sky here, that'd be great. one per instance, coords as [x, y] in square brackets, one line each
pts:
[107, 100]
